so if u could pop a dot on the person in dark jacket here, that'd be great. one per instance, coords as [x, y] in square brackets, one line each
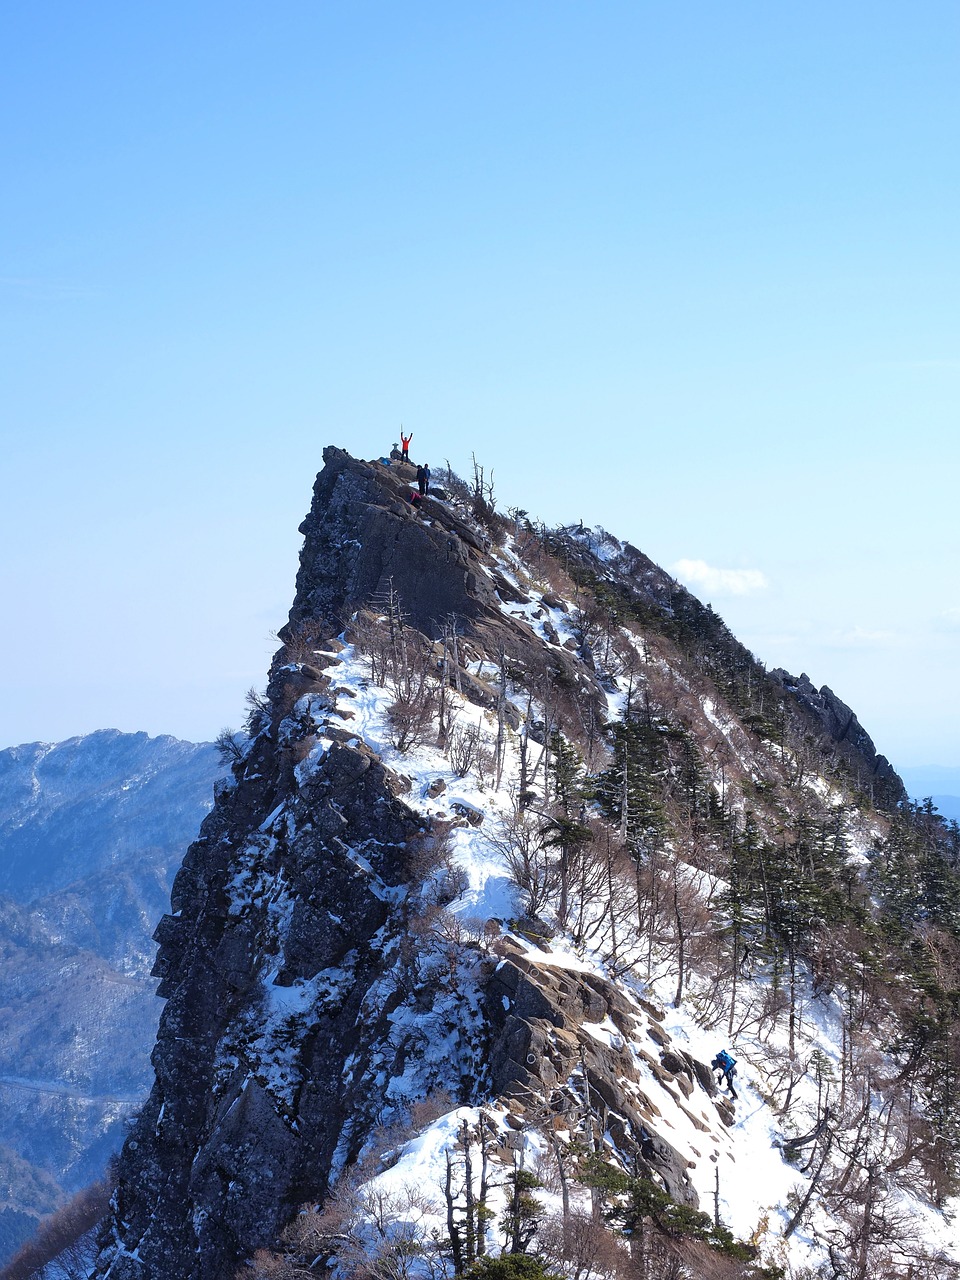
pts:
[423, 479]
[727, 1068]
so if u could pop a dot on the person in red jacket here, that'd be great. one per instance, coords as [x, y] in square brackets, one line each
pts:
[405, 442]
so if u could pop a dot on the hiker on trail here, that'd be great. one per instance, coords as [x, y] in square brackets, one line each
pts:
[423, 478]
[405, 441]
[727, 1067]
[415, 499]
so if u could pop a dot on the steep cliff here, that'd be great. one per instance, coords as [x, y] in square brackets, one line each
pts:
[509, 793]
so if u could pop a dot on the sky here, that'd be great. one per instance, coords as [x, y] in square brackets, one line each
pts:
[686, 271]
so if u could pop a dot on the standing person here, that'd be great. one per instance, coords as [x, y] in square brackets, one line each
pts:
[727, 1067]
[423, 478]
[405, 441]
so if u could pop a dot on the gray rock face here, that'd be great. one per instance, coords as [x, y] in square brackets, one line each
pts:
[537, 1014]
[841, 725]
[362, 534]
[244, 1124]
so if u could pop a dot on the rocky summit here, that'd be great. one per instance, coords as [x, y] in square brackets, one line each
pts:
[517, 838]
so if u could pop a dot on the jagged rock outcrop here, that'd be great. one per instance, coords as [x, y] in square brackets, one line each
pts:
[362, 535]
[841, 725]
[235, 1135]
[363, 540]
[309, 996]
[537, 1016]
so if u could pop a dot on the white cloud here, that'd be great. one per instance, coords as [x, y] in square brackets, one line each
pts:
[718, 582]
[949, 620]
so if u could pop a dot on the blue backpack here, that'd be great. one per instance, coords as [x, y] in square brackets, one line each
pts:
[724, 1061]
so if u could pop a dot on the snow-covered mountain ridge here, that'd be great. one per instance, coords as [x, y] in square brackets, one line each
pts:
[76, 808]
[520, 838]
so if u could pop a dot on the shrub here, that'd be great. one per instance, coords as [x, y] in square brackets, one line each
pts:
[510, 1266]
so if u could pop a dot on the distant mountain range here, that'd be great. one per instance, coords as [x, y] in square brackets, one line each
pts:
[91, 833]
[940, 783]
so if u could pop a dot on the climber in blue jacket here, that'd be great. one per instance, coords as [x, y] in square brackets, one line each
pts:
[727, 1067]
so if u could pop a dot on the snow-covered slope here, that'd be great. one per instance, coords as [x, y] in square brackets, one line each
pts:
[733, 1153]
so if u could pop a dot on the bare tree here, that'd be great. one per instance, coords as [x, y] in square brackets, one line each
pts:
[465, 748]
[415, 699]
[521, 843]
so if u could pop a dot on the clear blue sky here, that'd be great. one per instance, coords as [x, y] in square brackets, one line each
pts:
[688, 271]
